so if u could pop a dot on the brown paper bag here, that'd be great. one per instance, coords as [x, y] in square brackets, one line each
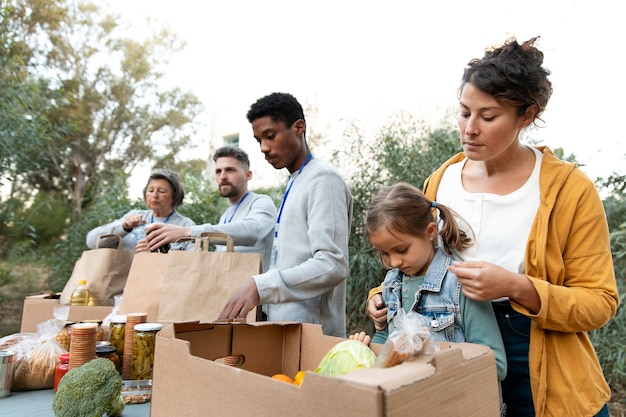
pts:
[142, 293]
[105, 269]
[198, 283]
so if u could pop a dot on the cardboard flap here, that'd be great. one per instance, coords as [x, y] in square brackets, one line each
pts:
[446, 361]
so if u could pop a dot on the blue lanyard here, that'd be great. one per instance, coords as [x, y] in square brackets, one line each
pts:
[236, 207]
[166, 219]
[282, 204]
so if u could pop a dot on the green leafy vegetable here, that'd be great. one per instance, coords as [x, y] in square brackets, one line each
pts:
[90, 390]
[345, 357]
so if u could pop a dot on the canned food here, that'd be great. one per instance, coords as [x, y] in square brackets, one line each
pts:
[144, 339]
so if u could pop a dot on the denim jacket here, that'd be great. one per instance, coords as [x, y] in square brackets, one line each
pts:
[437, 300]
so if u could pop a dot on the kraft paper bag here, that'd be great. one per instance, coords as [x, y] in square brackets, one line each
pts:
[198, 283]
[142, 293]
[104, 269]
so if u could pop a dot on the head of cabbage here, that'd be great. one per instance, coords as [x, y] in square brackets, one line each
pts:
[345, 357]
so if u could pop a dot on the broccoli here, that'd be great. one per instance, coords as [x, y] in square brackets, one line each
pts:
[90, 390]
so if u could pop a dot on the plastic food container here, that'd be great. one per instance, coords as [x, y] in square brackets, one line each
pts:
[136, 391]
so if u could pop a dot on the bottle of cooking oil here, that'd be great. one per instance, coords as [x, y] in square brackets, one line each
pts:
[81, 295]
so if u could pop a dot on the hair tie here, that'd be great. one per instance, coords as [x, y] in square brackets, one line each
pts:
[433, 204]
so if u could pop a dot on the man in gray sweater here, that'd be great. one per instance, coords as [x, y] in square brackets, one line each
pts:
[306, 281]
[249, 219]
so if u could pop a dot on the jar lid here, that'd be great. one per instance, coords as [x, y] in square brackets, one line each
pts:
[118, 318]
[64, 357]
[105, 349]
[147, 327]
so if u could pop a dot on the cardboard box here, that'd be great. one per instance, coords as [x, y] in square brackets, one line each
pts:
[39, 308]
[190, 378]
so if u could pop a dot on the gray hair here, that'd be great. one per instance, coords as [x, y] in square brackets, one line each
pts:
[178, 191]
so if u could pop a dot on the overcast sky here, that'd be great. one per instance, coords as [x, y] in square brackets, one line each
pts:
[365, 60]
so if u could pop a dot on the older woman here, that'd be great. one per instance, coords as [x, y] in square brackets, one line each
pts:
[163, 194]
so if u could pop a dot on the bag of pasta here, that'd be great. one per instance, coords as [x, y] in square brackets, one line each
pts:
[37, 367]
[410, 337]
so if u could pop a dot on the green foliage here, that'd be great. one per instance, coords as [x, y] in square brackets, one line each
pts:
[47, 216]
[610, 341]
[83, 100]
[203, 203]
[112, 203]
[403, 150]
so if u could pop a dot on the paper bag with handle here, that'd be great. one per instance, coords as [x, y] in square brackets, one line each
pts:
[198, 283]
[142, 293]
[105, 269]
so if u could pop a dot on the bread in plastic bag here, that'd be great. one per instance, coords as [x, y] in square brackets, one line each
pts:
[410, 338]
[36, 369]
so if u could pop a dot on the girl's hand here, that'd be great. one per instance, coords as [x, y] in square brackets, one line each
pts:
[377, 312]
[361, 337]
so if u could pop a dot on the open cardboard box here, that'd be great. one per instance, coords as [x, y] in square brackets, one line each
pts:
[39, 308]
[191, 379]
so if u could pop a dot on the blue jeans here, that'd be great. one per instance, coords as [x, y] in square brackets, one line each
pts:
[604, 412]
[515, 330]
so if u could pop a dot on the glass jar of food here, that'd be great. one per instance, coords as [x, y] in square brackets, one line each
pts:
[117, 333]
[64, 336]
[99, 330]
[109, 352]
[61, 369]
[144, 338]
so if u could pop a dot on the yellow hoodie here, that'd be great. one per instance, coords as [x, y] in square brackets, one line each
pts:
[568, 260]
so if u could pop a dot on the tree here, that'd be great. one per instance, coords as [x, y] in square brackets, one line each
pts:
[19, 94]
[104, 108]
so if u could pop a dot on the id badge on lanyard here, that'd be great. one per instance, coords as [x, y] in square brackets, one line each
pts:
[274, 255]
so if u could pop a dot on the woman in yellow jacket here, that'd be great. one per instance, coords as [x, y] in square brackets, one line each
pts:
[542, 253]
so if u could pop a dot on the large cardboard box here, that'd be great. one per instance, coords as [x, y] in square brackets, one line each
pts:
[191, 379]
[39, 308]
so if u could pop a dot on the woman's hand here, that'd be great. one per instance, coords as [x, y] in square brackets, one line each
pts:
[483, 281]
[133, 221]
[142, 246]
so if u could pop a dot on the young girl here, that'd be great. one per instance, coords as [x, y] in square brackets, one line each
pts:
[401, 226]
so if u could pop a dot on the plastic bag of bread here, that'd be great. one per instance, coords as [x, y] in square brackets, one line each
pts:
[410, 337]
[36, 369]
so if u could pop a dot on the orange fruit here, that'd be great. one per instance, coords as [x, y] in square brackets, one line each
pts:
[299, 378]
[283, 377]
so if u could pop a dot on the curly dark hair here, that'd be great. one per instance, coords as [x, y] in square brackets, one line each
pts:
[512, 73]
[281, 107]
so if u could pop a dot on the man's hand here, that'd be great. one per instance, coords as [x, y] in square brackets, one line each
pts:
[240, 304]
[159, 234]
[377, 312]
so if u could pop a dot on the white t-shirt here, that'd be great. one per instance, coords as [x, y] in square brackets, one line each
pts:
[500, 223]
